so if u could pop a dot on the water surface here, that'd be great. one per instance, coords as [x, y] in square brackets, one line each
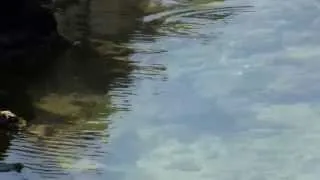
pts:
[200, 90]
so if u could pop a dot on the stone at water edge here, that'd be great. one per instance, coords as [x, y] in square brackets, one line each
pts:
[9, 119]
[7, 116]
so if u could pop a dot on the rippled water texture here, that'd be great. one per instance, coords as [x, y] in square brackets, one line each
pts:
[190, 90]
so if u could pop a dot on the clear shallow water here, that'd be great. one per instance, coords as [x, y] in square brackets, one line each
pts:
[222, 90]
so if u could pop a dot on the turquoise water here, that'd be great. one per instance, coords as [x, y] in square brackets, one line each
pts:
[224, 90]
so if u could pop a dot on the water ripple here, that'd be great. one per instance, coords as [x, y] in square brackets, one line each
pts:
[185, 22]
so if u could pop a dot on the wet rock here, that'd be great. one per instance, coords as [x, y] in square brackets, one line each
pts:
[10, 120]
[6, 117]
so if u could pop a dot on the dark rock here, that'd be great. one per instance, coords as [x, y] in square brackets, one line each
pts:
[27, 30]
[7, 167]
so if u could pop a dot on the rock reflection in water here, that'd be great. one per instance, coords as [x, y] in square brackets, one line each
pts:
[66, 98]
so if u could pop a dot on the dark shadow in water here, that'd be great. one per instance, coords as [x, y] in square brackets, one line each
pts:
[4, 143]
[29, 43]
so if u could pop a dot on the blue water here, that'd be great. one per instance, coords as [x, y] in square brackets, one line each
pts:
[226, 90]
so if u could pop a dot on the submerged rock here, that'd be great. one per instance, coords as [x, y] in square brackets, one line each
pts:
[7, 167]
